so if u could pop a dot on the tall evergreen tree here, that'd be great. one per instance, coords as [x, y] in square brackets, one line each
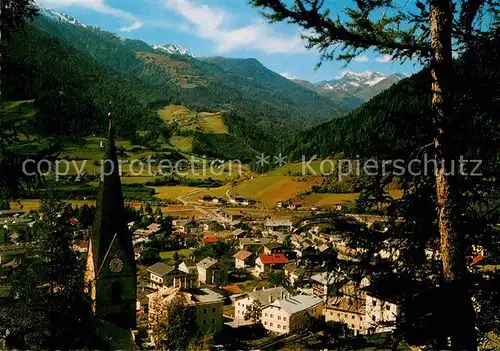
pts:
[51, 310]
[427, 35]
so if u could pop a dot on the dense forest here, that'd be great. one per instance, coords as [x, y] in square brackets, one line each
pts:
[71, 90]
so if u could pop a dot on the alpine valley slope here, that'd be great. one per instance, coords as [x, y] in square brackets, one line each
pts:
[260, 96]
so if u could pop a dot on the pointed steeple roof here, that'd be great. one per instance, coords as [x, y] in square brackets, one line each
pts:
[109, 218]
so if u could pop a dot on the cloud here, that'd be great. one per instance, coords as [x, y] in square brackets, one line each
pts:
[134, 26]
[288, 75]
[361, 58]
[213, 24]
[95, 5]
[384, 58]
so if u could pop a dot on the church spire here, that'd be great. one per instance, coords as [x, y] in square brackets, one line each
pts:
[111, 274]
[109, 218]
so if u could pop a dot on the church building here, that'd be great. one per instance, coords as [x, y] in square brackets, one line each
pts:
[110, 276]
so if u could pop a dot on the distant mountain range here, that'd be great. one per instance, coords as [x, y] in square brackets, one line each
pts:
[173, 49]
[73, 70]
[353, 87]
[245, 86]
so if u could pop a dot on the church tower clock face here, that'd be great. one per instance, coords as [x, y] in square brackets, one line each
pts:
[116, 265]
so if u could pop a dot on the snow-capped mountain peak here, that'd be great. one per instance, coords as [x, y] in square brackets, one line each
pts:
[173, 49]
[359, 84]
[349, 80]
[58, 16]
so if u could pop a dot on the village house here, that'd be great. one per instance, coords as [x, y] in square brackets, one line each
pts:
[141, 233]
[297, 240]
[294, 272]
[210, 271]
[179, 224]
[305, 249]
[208, 240]
[183, 239]
[264, 297]
[350, 311]
[256, 243]
[238, 233]
[381, 312]
[265, 263]
[283, 226]
[323, 282]
[324, 250]
[80, 246]
[154, 228]
[244, 259]
[365, 308]
[295, 205]
[188, 266]
[292, 314]
[391, 249]
[162, 275]
[207, 304]
[272, 248]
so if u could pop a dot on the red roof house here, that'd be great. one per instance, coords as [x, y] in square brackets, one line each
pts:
[208, 240]
[267, 262]
[477, 259]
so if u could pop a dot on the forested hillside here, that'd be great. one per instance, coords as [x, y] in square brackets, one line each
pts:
[263, 98]
[398, 120]
[382, 126]
[71, 90]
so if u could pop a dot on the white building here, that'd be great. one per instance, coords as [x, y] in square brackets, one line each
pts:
[208, 306]
[381, 314]
[265, 296]
[323, 282]
[244, 259]
[350, 311]
[278, 225]
[292, 314]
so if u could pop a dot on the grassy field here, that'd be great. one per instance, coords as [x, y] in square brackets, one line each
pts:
[168, 256]
[182, 143]
[207, 122]
[173, 192]
[299, 168]
[270, 189]
[34, 204]
[214, 192]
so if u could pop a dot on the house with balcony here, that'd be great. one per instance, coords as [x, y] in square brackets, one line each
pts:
[162, 275]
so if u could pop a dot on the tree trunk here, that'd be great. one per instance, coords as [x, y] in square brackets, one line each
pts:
[457, 304]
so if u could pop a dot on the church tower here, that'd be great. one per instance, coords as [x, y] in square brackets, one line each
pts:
[110, 276]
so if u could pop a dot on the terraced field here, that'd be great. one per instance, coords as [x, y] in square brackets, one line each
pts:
[269, 189]
[207, 122]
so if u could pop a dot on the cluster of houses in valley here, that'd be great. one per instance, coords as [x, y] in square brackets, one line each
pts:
[304, 297]
[236, 200]
[309, 290]
[187, 281]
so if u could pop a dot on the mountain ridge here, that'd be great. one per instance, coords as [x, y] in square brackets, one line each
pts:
[356, 87]
[204, 84]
